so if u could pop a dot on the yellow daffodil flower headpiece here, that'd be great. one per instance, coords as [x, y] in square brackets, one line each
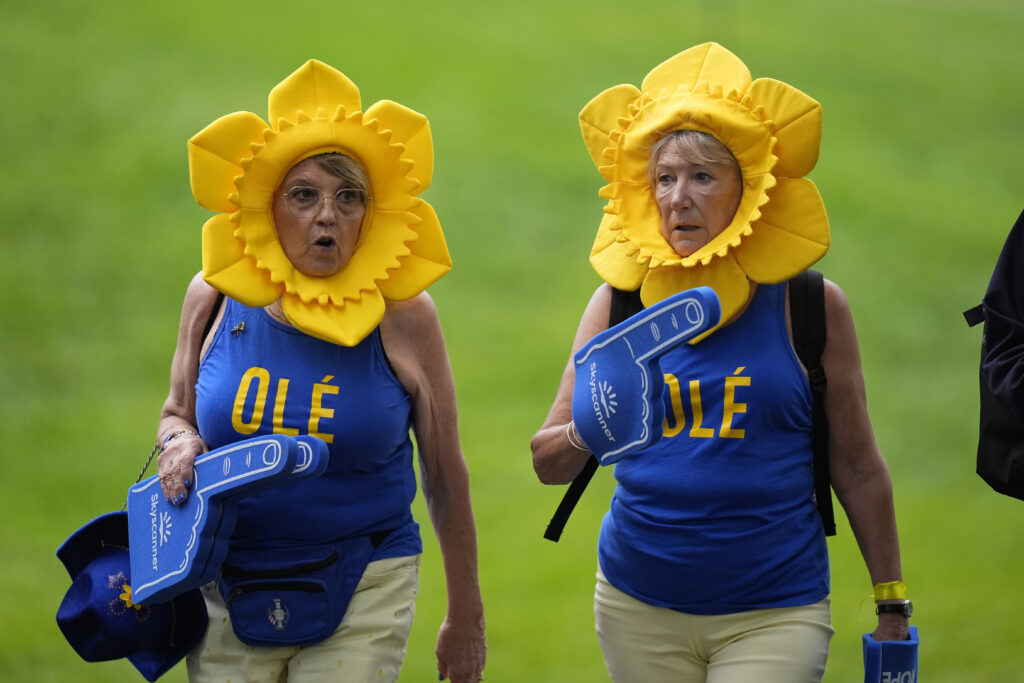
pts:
[237, 162]
[774, 132]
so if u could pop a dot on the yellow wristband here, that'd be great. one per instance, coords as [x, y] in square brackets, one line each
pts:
[894, 590]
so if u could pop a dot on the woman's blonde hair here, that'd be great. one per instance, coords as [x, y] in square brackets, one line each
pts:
[346, 168]
[696, 146]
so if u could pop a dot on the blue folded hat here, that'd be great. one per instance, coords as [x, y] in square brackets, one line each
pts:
[175, 548]
[891, 661]
[616, 403]
[100, 619]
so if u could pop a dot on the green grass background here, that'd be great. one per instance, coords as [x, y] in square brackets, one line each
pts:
[921, 170]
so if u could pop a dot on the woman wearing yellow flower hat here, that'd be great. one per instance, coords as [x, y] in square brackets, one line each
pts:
[713, 561]
[322, 250]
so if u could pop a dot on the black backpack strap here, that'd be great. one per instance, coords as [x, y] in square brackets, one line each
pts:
[807, 313]
[569, 500]
[624, 304]
[213, 315]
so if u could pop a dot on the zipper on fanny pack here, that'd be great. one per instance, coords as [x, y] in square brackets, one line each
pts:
[297, 586]
[279, 573]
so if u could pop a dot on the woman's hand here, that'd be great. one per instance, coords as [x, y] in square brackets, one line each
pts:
[175, 465]
[892, 627]
[461, 651]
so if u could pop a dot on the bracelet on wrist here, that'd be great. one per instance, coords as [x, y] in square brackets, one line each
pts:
[574, 437]
[893, 590]
[174, 434]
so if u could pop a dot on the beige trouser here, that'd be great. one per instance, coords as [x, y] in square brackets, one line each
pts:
[649, 644]
[369, 644]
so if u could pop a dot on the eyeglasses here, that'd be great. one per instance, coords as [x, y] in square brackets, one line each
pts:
[305, 202]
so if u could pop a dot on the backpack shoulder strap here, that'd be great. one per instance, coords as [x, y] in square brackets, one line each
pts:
[624, 304]
[213, 315]
[807, 313]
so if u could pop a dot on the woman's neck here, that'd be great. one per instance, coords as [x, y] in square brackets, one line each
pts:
[275, 311]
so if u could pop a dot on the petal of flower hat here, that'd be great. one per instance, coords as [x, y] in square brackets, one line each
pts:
[427, 260]
[411, 129]
[346, 325]
[600, 117]
[606, 233]
[640, 220]
[792, 234]
[310, 87]
[617, 260]
[227, 268]
[796, 123]
[723, 275]
[215, 154]
[708, 63]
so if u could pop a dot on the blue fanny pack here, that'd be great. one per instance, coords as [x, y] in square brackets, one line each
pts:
[293, 596]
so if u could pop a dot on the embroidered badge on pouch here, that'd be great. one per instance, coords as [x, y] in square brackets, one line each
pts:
[278, 614]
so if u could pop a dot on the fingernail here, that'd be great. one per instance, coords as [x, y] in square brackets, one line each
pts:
[187, 482]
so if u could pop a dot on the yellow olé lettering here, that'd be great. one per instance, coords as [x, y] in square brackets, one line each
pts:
[731, 407]
[317, 410]
[696, 430]
[262, 379]
[678, 416]
[282, 396]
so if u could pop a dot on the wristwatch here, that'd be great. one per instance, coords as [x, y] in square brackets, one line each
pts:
[904, 607]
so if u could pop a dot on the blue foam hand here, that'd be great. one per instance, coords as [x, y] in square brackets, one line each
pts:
[311, 461]
[616, 401]
[177, 548]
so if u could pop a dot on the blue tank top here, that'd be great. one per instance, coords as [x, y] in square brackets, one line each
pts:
[718, 516]
[262, 377]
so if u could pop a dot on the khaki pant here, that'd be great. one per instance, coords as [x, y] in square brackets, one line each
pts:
[369, 644]
[646, 644]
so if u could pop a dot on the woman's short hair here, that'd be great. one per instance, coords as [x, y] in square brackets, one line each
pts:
[345, 167]
[696, 146]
